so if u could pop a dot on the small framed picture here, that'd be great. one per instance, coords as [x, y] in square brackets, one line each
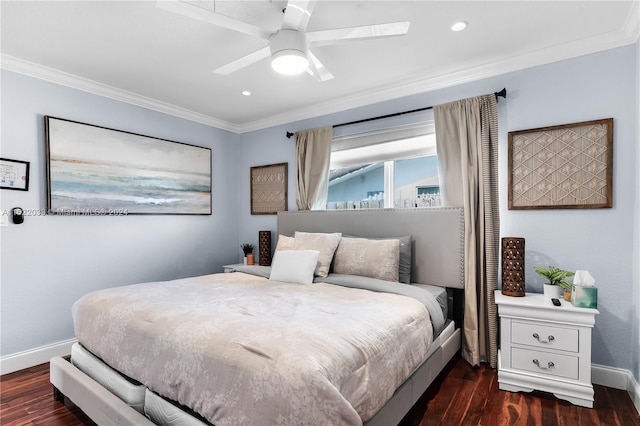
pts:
[14, 174]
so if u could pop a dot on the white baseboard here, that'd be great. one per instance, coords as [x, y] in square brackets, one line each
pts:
[634, 393]
[617, 378]
[611, 377]
[26, 359]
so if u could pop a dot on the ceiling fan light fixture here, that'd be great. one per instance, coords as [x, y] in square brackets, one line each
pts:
[289, 52]
[289, 62]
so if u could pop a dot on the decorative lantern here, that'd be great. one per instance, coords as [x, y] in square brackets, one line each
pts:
[513, 266]
[264, 248]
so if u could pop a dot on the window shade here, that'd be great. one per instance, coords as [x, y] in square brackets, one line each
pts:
[383, 145]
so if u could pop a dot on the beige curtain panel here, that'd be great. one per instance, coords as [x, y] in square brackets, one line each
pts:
[313, 152]
[467, 146]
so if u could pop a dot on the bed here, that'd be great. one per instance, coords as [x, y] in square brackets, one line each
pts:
[350, 349]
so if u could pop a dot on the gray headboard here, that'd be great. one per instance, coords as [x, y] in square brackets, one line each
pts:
[438, 235]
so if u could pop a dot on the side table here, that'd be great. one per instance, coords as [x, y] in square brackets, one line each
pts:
[545, 347]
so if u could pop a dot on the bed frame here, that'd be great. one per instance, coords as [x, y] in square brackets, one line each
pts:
[438, 236]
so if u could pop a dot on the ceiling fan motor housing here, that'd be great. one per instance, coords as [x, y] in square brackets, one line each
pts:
[287, 39]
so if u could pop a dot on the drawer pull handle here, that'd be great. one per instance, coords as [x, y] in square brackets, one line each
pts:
[549, 339]
[549, 366]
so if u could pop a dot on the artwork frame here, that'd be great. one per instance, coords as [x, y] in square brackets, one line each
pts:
[568, 166]
[269, 188]
[96, 170]
[14, 174]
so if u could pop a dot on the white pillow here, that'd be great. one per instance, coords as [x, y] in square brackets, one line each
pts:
[326, 244]
[294, 266]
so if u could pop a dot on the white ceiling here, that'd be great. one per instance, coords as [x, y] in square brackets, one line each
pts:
[139, 53]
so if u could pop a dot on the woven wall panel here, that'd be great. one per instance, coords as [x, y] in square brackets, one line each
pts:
[565, 166]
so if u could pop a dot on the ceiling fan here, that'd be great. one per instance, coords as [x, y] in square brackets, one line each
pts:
[289, 45]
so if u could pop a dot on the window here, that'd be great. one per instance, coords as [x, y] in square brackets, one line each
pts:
[394, 167]
[416, 182]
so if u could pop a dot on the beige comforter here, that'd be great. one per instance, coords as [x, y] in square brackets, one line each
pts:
[243, 350]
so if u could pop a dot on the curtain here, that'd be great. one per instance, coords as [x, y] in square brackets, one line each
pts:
[313, 152]
[467, 147]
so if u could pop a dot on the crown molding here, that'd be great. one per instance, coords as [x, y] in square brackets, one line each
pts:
[628, 34]
[412, 85]
[11, 63]
[632, 25]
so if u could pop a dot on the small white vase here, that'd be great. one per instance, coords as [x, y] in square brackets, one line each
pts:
[245, 260]
[553, 291]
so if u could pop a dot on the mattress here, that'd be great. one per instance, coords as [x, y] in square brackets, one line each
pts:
[240, 349]
[165, 413]
[126, 389]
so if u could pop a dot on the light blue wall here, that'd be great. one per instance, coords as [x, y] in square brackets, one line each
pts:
[48, 262]
[601, 240]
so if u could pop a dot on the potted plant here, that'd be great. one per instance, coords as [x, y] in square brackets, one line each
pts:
[247, 249]
[558, 282]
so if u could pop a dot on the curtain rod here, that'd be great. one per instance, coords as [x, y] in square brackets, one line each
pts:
[502, 94]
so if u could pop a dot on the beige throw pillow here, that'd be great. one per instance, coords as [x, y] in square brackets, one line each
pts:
[368, 258]
[326, 244]
[284, 242]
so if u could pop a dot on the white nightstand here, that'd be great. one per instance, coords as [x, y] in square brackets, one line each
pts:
[545, 347]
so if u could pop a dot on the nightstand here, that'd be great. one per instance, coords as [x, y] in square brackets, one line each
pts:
[545, 347]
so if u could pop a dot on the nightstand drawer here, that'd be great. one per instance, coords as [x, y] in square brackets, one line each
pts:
[545, 363]
[532, 334]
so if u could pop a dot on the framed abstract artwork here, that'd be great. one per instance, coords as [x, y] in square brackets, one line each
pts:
[269, 188]
[562, 167]
[93, 170]
[14, 174]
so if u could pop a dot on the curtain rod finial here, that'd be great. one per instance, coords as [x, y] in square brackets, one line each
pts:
[289, 134]
[502, 93]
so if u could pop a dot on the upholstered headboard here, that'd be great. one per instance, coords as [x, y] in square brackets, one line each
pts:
[437, 233]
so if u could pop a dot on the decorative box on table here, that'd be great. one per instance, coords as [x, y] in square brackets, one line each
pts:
[584, 294]
[584, 297]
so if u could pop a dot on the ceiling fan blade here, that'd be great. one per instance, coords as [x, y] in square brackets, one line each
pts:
[297, 14]
[322, 38]
[317, 69]
[247, 60]
[192, 10]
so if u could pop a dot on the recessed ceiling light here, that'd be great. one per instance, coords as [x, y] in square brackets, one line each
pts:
[246, 93]
[459, 26]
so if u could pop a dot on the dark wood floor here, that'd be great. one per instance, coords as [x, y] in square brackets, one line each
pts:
[462, 395]
[465, 395]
